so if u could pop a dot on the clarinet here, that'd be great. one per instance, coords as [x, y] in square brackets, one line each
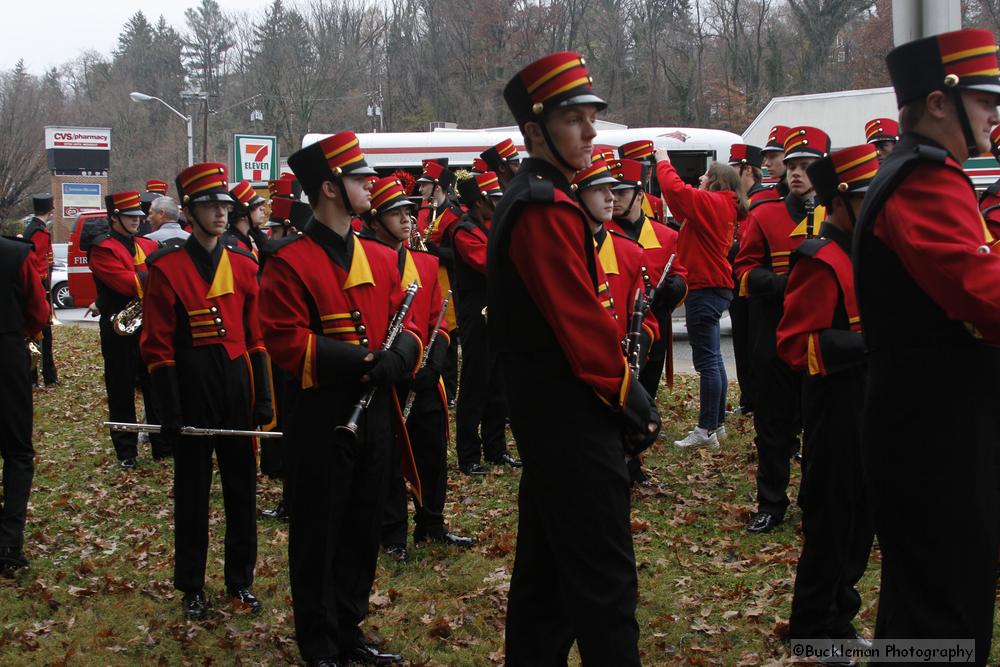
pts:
[650, 290]
[811, 215]
[395, 327]
[411, 395]
[635, 332]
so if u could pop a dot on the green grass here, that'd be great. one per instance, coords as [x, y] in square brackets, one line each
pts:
[100, 540]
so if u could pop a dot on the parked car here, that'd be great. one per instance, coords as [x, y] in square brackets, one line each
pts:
[61, 297]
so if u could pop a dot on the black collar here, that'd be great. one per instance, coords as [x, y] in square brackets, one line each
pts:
[632, 227]
[338, 248]
[126, 240]
[544, 169]
[204, 262]
[600, 235]
[837, 235]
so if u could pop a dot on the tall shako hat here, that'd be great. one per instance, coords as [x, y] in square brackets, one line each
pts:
[41, 203]
[124, 203]
[387, 194]
[596, 174]
[776, 139]
[206, 181]
[745, 154]
[479, 186]
[436, 171]
[556, 81]
[995, 142]
[805, 141]
[881, 129]
[154, 185]
[496, 156]
[951, 61]
[286, 186]
[289, 213]
[847, 171]
[479, 165]
[246, 197]
[628, 173]
[431, 169]
[636, 150]
[330, 159]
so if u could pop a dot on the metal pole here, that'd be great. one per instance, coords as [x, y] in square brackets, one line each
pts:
[204, 147]
[190, 131]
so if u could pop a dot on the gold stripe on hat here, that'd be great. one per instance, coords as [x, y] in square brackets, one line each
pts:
[337, 151]
[854, 163]
[553, 73]
[968, 53]
[200, 174]
[569, 86]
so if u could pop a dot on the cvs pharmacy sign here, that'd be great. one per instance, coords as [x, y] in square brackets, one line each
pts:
[255, 158]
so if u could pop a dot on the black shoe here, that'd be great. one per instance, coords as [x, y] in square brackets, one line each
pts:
[506, 460]
[195, 606]
[369, 654]
[11, 560]
[162, 456]
[473, 470]
[127, 463]
[763, 522]
[797, 457]
[397, 551]
[452, 404]
[443, 537]
[855, 638]
[323, 662]
[245, 597]
[279, 512]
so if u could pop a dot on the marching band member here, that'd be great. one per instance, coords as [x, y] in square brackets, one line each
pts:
[202, 343]
[774, 229]
[574, 572]
[327, 299]
[883, 133]
[928, 288]
[37, 233]
[820, 336]
[246, 219]
[481, 418]
[503, 160]
[117, 260]
[25, 311]
[390, 222]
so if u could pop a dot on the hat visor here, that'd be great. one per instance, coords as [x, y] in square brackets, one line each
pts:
[361, 171]
[396, 203]
[585, 98]
[879, 138]
[772, 149]
[495, 193]
[133, 212]
[256, 201]
[423, 179]
[990, 86]
[275, 223]
[603, 180]
[624, 185]
[212, 196]
[794, 155]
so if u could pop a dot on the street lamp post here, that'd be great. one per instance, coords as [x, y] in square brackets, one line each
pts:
[142, 97]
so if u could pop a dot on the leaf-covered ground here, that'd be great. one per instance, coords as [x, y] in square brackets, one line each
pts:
[100, 541]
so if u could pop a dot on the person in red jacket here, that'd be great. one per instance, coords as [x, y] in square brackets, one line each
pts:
[425, 439]
[480, 428]
[774, 229]
[659, 244]
[773, 156]
[928, 289]
[820, 336]
[118, 262]
[202, 345]
[574, 575]
[24, 311]
[327, 300]
[624, 264]
[246, 219]
[641, 151]
[710, 213]
[502, 160]
[37, 233]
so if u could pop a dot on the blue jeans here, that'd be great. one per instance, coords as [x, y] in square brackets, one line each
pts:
[703, 309]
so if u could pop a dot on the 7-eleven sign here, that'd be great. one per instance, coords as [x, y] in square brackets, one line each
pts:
[255, 158]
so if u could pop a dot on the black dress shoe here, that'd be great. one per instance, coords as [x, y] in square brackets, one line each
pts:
[127, 463]
[369, 654]
[473, 469]
[279, 511]
[244, 596]
[323, 662]
[443, 537]
[855, 638]
[763, 522]
[11, 560]
[195, 606]
[506, 460]
[397, 551]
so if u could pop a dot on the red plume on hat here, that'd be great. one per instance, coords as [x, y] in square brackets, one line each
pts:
[404, 177]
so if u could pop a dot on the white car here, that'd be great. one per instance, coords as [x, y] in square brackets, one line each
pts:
[61, 298]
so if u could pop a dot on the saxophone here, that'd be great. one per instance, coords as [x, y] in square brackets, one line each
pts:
[128, 320]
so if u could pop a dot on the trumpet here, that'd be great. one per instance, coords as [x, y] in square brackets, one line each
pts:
[128, 320]
[53, 320]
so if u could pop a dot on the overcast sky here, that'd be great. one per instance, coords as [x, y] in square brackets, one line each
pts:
[48, 33]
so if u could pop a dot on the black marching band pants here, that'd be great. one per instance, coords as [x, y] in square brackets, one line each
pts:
[123, 371]
[481, 413]
[15, 438]
[428, 432]
[739, 316]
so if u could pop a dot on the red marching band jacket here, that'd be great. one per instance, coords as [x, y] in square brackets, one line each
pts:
[350, 309]
[216, 313]
[113, 265]
[623, 263]
[820, 292]
[426, 307]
